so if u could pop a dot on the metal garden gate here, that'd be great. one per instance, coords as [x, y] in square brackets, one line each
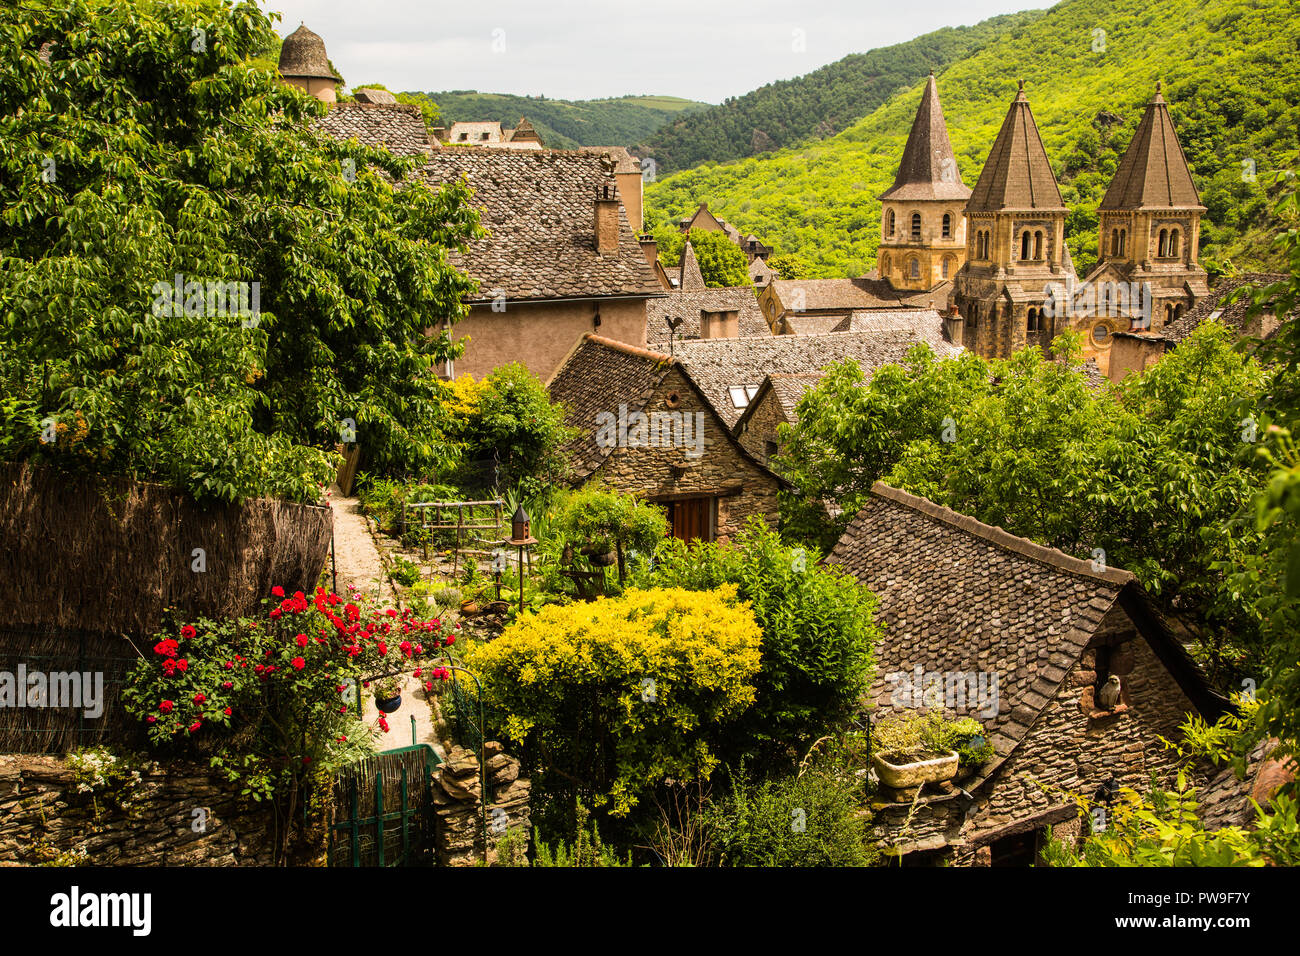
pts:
[383, 810]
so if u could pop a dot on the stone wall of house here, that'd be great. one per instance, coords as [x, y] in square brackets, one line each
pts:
[761, 426]
[461, 819]
[541, 334]
[1132, 355]
[665, 473]
[1066, 752]
[180, 816]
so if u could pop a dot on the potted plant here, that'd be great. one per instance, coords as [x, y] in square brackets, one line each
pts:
[388, 693]
[911, 749]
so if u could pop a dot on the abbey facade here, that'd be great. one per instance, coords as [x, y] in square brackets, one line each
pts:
[1002, 246]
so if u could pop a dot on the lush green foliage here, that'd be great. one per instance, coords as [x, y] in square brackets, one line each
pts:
[818, 631]
[608, 699]
[819, 103]
[1229, 72]
[722, 263]
[149, 148]
[1148, 476]
[605, 519]
[812, 819]
[508, 421]
[566, 124]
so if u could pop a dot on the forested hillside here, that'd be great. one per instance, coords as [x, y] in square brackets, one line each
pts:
[564, 124]
[1231, 73]
[820, 103]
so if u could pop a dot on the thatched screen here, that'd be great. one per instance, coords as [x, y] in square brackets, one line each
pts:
[89, 564]
[108, 554]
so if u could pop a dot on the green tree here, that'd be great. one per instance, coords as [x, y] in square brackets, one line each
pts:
[722, 263]
[145, 146]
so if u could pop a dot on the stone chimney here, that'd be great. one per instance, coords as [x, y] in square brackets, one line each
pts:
[953, 326]
[720, 325]
[607, 220]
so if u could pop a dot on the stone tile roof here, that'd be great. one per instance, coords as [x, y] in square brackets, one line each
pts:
[927, 323]
[1231, 314]
[624, 162]
[959, 596]
[785, 389]
[1153, 171]
[928, 169]
[759, 270]
[397, 128]
[690, 278]
[716, 365]
[538, 206]
[688, 305]
[821, 295]
[598, 376]
[368, 94]
[801, 323]
[1017, 174]
[302, 54]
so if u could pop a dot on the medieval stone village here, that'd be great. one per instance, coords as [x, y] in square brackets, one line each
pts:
[531, 512]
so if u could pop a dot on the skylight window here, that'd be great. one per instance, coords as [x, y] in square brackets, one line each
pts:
[742, 395]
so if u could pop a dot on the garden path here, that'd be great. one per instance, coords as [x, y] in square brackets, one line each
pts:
[358, 564]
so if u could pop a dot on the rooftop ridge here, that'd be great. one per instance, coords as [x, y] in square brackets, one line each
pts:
[629, 349]
[1001, 538]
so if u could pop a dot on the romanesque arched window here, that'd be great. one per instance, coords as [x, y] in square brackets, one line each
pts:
[1123, 242]
[1173, 243]
[1114, 242]
[1162, 244]
[947, 225]
[889, 224]
[1038, 245]
[1034, 322]
[884, 265]
[914, 268]
[916, 227]
[947, 266]
[1024, 245]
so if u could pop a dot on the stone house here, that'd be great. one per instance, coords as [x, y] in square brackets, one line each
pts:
[772, 406]
[523, 136]
[1023, 638]
[645, 427]
[702, 218]
[1138, 350]
[560, 260]
[304, 64]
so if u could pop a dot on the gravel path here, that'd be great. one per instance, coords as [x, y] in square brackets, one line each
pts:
[357, 563]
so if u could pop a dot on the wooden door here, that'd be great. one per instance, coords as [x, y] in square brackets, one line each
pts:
[692, 519]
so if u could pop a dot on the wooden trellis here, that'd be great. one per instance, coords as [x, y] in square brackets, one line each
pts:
[465, 525]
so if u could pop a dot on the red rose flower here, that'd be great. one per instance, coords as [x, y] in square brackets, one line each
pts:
[226, 685]
[151, 719]
[195, 726]
[276, 612]
[298, 663]
[188, 632]
[166, 706]
[199, 698]
[277, 591]
[226, 711]
[302, 640]
[182, 665]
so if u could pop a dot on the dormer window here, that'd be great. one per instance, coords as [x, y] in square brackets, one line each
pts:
[742, 395]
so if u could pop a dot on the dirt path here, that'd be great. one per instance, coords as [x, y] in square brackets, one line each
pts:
[357, 563]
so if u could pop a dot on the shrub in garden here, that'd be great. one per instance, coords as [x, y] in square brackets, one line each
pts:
[600, 520]
[810, 820]
[609, 698]
[264, 700]
[818, 631]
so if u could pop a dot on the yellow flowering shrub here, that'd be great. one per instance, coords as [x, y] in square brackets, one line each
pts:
[609, 698]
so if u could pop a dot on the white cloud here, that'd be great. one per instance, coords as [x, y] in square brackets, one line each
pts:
[581, 49]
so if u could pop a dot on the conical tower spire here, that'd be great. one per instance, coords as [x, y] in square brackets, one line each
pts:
[929, 169]
[691, 279]
[1153, 172]
[1017, 174]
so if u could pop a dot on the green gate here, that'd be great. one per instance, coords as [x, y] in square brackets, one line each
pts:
[384, 811]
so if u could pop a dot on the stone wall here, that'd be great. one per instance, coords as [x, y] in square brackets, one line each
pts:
[760, 428]
[180, 816]
[1067, 752]
[541, 334]
[457, 789]
[743, 488]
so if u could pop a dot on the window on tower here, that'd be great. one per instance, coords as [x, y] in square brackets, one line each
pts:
[1024, 245]
[916, 227]
[889, 224]
[947, 225]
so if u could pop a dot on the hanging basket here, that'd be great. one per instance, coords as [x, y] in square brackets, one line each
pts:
[389, 704]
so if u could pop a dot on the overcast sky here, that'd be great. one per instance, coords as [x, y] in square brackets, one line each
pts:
[583, 49]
